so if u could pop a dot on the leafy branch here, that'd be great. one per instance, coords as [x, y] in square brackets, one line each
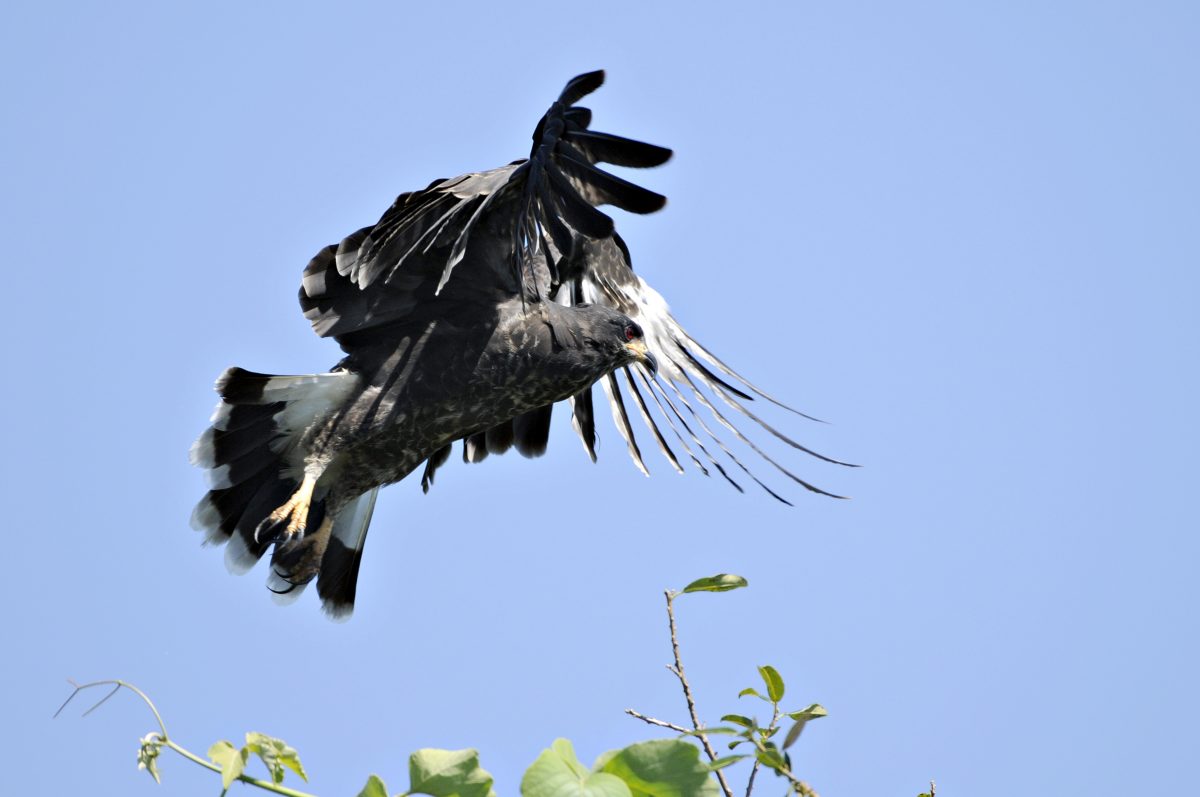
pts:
[766, 751]
[657, 768]
[226, 760]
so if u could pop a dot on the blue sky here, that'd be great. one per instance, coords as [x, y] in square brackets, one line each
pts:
[965, 234]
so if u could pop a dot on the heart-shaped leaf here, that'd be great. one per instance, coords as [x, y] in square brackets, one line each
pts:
[662, 768]
[557, 772]
[443, 773]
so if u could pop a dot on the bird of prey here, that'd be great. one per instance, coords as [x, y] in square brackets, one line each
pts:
[466, 313]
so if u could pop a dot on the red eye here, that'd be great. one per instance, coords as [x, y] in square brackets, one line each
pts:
[631, 332]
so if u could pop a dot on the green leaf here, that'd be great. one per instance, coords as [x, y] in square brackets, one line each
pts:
[602, 759]
[231, 760]
[749, 690]
[220, 751]
[793, 734]
[292, 762]
[772, 759]
[557, 772]
[276, 755]
[738, 719]
[721, 763]
[443, 773]
[774, 682]
[566, 751]
[374, 788]
[663, 768]
[721, 582]
[815, 711]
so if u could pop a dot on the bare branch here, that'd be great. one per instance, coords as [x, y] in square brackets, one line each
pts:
[659, 723]
[687, 694]
[750, 780]
[116, 685]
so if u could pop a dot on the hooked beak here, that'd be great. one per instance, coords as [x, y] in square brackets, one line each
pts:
[643, 355]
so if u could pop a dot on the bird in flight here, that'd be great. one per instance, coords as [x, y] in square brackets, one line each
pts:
[466, 313]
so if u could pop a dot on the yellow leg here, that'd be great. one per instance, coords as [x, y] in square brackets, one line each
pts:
[294, 511]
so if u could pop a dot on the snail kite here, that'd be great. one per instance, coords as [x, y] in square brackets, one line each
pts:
[466, 313]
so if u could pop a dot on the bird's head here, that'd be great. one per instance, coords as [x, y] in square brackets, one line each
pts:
[615, 336]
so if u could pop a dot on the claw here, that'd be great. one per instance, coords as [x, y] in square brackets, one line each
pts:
[294, 511]
[291, 586]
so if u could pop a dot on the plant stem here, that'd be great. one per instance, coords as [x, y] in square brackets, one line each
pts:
[262, 784]
[750, 780]
[754, 769]
[687, 694]
[166, 740]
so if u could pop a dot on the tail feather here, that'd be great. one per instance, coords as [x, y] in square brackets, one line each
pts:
[244, 550]
[338, 581]
[219, 511]
[251, 454]
[244, 468]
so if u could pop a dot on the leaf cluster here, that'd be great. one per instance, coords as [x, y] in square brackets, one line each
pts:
[659, 768]
[760, 737]
[277, 756]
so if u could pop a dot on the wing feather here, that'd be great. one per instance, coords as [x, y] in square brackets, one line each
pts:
[606, 277]
[649, 421]
[525, 229]
[621, 419]
[480, 237]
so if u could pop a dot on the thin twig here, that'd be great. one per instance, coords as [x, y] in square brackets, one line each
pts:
[750, 780]
[165, 739]
[754, 769]
[659, 723]
[687, 694]
[116, 687]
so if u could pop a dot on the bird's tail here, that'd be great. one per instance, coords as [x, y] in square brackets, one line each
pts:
[255, 467]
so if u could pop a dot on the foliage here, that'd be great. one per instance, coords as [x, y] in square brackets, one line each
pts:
[657, 768]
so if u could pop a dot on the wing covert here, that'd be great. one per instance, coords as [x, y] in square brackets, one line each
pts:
[480, 238]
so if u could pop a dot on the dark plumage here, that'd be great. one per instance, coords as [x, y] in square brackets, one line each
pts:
[466, 312]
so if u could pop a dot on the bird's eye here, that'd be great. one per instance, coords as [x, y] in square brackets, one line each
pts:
[632, 331]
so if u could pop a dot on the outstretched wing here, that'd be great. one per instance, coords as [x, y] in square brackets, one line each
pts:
[696, 398]
[476, 240]
[563, 244]
[696, 405]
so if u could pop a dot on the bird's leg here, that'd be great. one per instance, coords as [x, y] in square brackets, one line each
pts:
[294, 511]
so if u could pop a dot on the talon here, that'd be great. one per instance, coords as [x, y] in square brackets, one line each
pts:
[263, 525]
[294, 511]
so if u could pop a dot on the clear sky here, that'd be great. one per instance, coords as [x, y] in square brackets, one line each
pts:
[964, 233]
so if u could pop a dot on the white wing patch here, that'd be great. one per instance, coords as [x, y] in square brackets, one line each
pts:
[684, 363]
